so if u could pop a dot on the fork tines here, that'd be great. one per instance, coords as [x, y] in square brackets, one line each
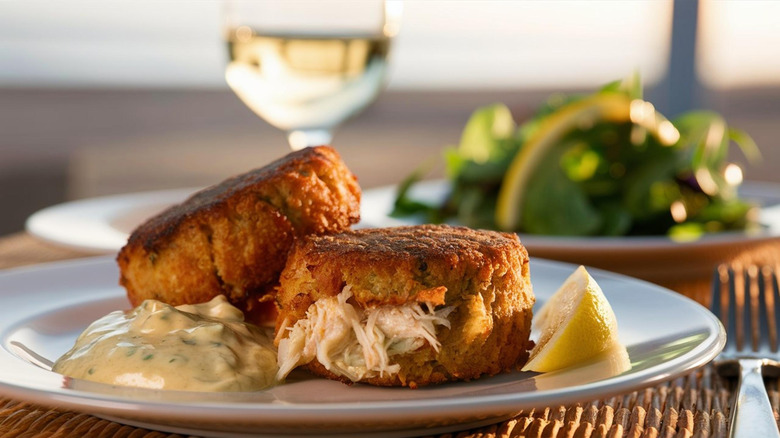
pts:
[750, 299]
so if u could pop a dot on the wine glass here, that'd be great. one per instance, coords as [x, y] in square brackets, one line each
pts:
[306, 66]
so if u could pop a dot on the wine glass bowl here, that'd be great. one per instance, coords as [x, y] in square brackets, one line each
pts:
[305, 67]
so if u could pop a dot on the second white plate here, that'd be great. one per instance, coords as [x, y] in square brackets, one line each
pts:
[654, 258]
[103, 224]
[100, 225]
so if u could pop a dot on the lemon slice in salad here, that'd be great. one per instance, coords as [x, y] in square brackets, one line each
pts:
[599, 107]
[575, 325]
[602, 107]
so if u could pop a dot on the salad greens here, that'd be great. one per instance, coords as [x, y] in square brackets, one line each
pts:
[604, 178]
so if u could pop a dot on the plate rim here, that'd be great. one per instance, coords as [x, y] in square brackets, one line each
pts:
[42, 223]
[381, 197]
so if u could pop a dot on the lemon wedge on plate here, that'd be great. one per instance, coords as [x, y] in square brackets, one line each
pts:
[577, 324]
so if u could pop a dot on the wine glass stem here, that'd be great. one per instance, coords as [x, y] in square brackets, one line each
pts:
[301, 138]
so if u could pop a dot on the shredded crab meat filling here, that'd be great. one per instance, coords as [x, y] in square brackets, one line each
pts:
[358, 343]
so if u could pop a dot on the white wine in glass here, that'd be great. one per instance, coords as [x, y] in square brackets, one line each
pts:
[304, 66]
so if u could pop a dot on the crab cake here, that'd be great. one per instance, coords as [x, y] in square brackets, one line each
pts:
[233, 238]
[406, 306]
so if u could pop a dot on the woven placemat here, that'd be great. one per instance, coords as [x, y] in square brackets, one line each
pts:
[695, 405]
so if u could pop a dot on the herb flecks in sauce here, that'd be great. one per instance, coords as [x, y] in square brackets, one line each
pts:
[202, 347]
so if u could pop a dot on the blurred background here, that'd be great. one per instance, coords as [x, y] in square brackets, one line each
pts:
[121, 96]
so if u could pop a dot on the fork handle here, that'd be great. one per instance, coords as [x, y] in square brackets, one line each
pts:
[752, 414]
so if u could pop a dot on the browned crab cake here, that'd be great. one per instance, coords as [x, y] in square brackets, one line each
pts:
[233, 238]
[406, 306]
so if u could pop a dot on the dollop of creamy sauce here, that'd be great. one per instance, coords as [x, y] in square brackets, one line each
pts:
[201, 347]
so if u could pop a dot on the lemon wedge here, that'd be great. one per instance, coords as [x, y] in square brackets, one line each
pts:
[575, 325]
[581, 113]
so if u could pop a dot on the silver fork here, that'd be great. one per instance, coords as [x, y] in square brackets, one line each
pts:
[751, 321]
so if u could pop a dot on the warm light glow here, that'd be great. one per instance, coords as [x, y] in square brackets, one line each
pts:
[679, 213]
[733, 174]
[706, 182]
[667, 133]
[642, 112]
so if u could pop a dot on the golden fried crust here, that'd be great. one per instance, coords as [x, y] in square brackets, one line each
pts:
[233, 238]
[485, 273]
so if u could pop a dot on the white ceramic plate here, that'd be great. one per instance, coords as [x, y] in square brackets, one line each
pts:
[654, 258]
[103, 224]
[44, 308]
[100, 225]
[378, 203]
